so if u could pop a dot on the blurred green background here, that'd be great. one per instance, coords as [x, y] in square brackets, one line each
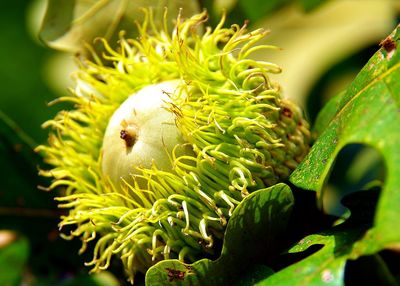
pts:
[324, 44]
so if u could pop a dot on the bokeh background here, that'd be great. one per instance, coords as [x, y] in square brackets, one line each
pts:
[323, 46]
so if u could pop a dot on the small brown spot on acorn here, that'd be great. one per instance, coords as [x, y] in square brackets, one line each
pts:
[128, 133]
[128, 138]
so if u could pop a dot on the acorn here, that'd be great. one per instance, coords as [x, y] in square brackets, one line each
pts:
[167, 136]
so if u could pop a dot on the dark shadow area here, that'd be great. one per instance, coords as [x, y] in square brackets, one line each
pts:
[370, 270]
[357, 167]
[305, 219]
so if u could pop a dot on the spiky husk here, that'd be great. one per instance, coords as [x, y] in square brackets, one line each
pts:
[244, 137]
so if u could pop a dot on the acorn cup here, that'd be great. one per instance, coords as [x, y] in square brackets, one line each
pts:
[167, 136]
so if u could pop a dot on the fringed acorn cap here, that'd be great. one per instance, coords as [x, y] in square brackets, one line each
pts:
[240, 134]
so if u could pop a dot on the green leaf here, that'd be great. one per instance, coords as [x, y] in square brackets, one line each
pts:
[69, 25]
[327, 265]
[254, 274]
[252, 234]
[367, 113]
[13, 258]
